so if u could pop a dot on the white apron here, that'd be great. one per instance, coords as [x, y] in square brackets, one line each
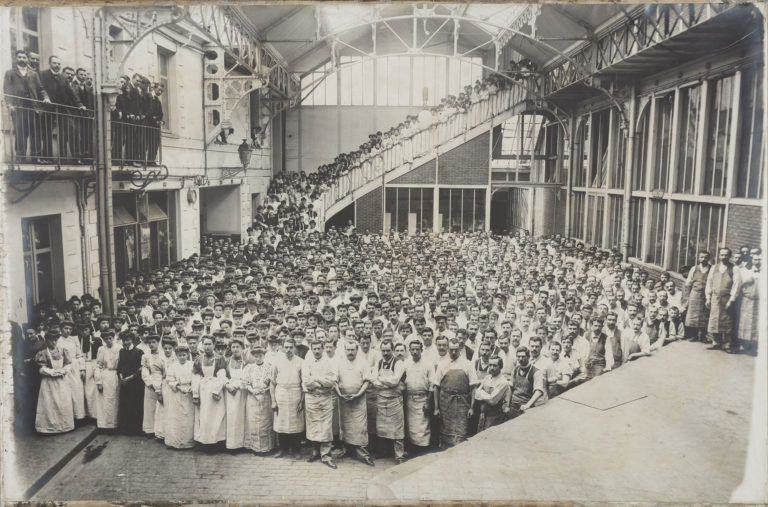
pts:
[54, 402]
[210, 414]
[236, 408]
[108, 398]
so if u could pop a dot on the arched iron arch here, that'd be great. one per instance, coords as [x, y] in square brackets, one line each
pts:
[533, 40]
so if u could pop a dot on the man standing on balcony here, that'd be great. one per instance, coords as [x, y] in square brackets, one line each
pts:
[23, 89]
[71, 137]
[85, 128]
[60, 93]
[155, 122]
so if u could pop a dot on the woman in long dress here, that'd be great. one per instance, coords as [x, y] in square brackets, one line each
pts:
[208, 395]
[152, 365]
[168, 357]
[179, 420]
[75, 369]
[236, 396]
[257, 380]
[107, 382]
[55, 413]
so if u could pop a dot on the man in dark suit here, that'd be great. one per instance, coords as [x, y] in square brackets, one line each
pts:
[60, 93]
[119, 117]
[84, 130]
[24, 91]
[155, 122]
[71, 120]
[133, 118]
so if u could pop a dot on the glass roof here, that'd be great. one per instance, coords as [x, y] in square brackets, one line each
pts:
[337, 17]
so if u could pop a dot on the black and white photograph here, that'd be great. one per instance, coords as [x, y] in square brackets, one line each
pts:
[383, 253]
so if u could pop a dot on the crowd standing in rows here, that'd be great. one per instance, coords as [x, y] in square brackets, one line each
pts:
[366, 344]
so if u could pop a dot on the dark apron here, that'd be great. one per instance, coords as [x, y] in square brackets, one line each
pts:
[454, 406]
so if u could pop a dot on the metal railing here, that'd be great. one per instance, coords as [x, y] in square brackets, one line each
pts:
[418, 142]
[46, 133]
[136, 143]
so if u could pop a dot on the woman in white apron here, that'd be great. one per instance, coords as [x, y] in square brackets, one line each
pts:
[75, 369]
[208, 395]
[152, 365]
[257, 379]
[160, 408]
[107, 382]
[179, 419]
[236, 396]
[54, 402]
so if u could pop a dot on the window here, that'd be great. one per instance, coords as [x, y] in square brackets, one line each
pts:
[620, 153]
[25, 30]
[663, 141]
[409, 209]
[141, 232]
[581, 153]
[595, 220]
[43, 268]
[547, 149]
[636, 218]
[658, 229]
[393, 79]
[690, 106]
[750, 168]
[641, 148]
[614, 221]
[599, 149]
[577, 215]
[718, 136]
[429, 80]
[164, 62]
[696, 227]
[462, 210]
[463, 72]
[319, 88]
[519, 137]
[356, 81]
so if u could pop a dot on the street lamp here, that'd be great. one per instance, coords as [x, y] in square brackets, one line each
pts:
[245, 151]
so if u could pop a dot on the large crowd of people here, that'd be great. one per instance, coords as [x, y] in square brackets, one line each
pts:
[52, 113]
[361, 343]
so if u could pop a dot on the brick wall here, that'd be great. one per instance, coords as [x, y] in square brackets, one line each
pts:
[466, 164]
[368, 212]
[423, 175]
[743, 226]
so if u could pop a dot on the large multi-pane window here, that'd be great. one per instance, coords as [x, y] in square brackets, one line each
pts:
[409, 209]
[696, 227]
[718, 136]
[520, 136]
[641, 146]
[25, 30]
[581, 151]
[356, 84]
[520, 206]
[594, 219]
[690, 112]
[43, 269]
[620, 154]
[547, 153]
[663, 139]
[750, 166]
[577, 215]
[462, 209]
[657, 228]
[141, 232]
[636, 219]
[615, 205]
[389, 80]
[598, 163]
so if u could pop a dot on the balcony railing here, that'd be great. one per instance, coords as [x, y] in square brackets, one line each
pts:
[45, 133]
[136, 143]
[409, 146]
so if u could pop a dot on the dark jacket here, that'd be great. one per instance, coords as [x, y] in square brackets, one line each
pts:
[58, 89]
[25, 87]
[155, 115]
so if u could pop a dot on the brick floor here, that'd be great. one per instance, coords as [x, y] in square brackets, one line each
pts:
[118, 468]
[27, 457]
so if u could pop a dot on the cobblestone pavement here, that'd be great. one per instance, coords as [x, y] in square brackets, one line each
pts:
[120, 469]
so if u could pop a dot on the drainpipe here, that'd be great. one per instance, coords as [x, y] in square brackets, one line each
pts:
[80, 190]
[628, 173]
[205, 132]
